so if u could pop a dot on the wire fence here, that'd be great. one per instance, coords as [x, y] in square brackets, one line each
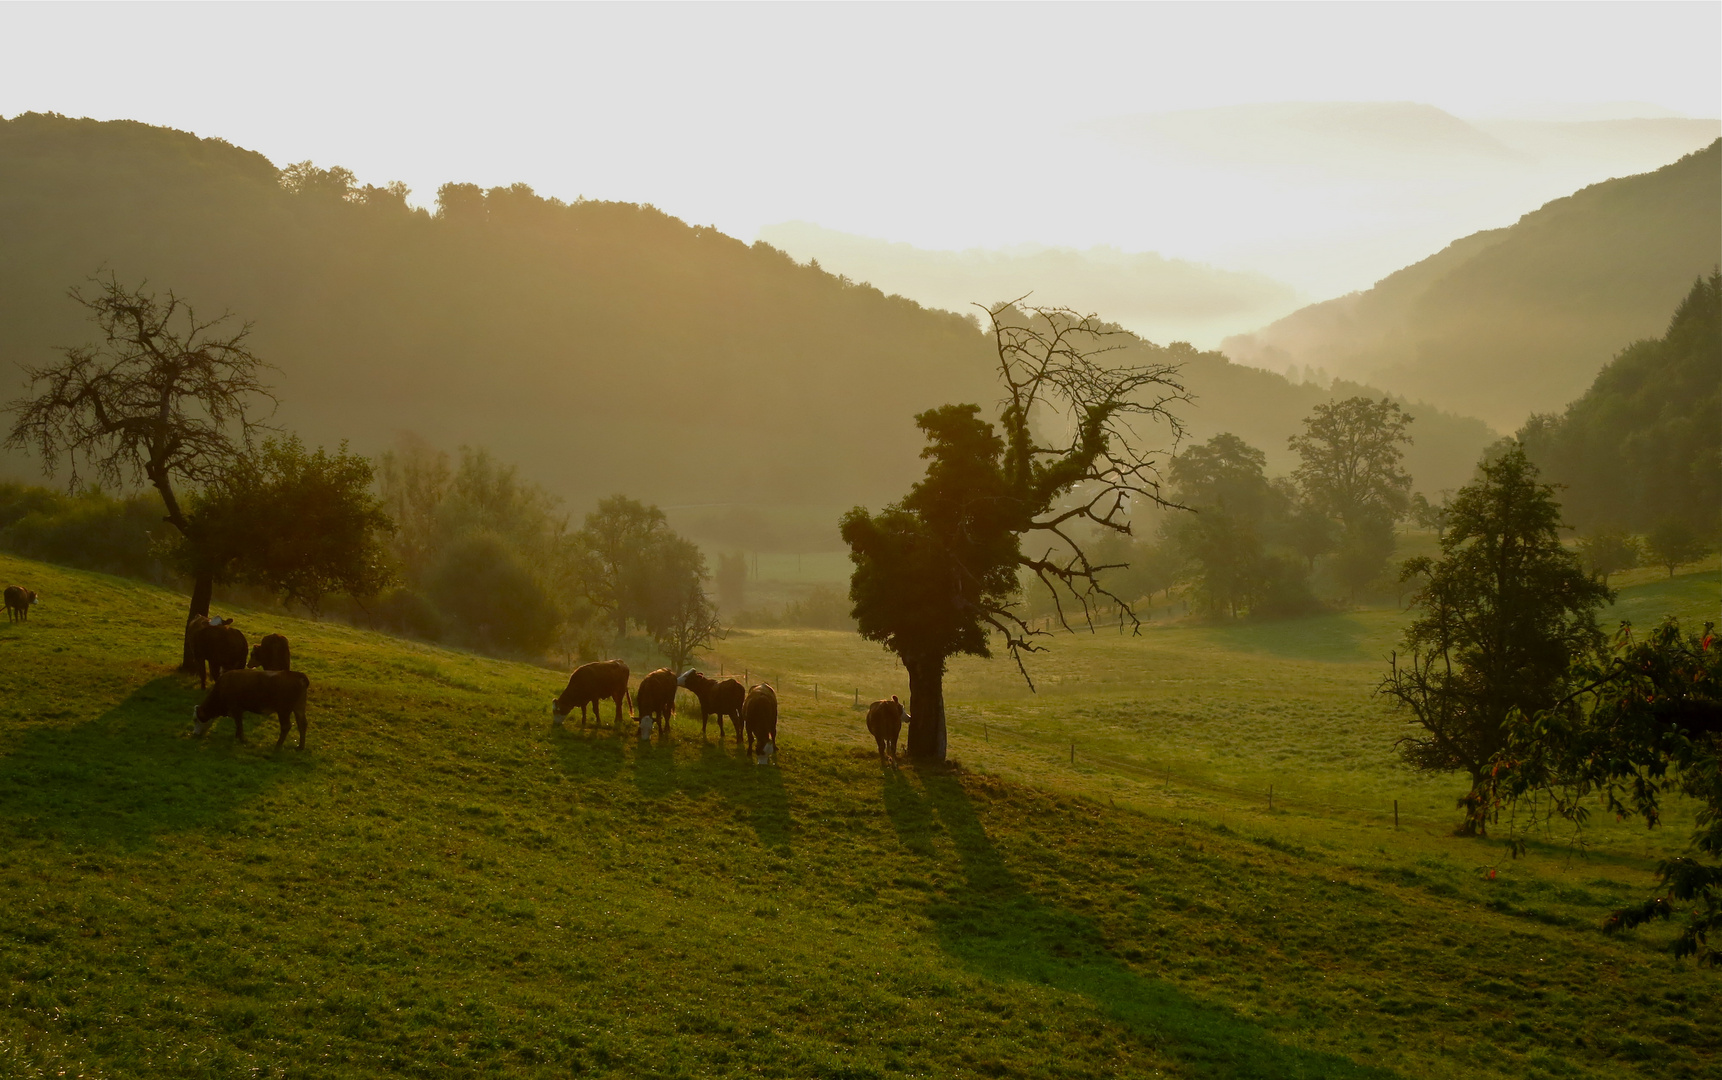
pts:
[1076, 758]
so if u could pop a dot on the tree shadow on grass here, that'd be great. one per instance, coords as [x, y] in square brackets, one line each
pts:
[754, 793]
[133, 773]
[996, 926]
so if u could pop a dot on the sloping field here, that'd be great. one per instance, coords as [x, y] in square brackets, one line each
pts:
[442, 887]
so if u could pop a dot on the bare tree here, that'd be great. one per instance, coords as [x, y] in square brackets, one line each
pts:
[163, 397]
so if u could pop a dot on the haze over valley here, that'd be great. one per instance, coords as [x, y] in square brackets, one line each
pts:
[861, 541]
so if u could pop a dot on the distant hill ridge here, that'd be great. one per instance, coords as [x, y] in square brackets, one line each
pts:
[1511, 321]
[604, 346]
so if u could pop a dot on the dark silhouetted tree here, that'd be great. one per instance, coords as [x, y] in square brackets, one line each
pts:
[1502, 616]
[164, 397]
[937, 573]
[615, 537]
[1644, 723]
[301, 525]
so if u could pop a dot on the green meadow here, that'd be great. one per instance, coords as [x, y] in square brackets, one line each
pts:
[443, 886]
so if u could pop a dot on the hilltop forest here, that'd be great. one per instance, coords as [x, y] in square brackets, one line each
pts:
[604, 346]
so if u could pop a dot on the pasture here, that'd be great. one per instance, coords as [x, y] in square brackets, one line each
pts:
[441, 886]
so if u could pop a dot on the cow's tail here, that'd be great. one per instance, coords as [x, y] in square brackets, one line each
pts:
[629, 694]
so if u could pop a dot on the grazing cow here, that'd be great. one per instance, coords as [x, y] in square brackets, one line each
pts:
[656, 697]
[216, 646]
[271, 654]
[885, 723]
[592, 684]
[244, 690]
[759, 716]
[18, 601]
[723, 697]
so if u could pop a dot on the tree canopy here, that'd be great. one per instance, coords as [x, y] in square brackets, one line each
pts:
[937, 573]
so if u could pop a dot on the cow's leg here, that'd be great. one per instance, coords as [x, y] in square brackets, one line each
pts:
[300, 715]
[286, 718]
[239, 726]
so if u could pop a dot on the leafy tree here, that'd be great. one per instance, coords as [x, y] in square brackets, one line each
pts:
[1644, 722]
[1608, 551]
[615, 535]
[1503, 615]
[1225, 473]
[1351, 460]
[1226, 541]
[687, 621]
[660, 581]
[1674, 543]
[490, 598]
[1350, 468]
[163, 397]
[1310, 532]
[936, 574]
[301, 525]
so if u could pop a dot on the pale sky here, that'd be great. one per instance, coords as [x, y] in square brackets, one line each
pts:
[945, 126]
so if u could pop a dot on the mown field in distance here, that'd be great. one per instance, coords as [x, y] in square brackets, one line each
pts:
[442, 886]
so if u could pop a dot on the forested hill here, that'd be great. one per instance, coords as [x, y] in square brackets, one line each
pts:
[1518, 320]
[1644, 443]
[604, 346]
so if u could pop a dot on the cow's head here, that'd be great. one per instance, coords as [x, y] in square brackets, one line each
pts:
[682, 679]
[557, 713]
[199, 724]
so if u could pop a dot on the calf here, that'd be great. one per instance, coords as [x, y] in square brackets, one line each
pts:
[216, 646]
[657, 698]
[18, 601]
[248, 690]
[759, 716]
[271, 654]
[592, 684]
[723, 697]
[885, 723]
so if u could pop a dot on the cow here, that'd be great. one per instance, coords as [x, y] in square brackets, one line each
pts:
[271, 654]
[592, 684]
[656, 698]
[18, 601]
[244, 690]
[216, 646]
[723, 697]
[759, 716]
[885, 723]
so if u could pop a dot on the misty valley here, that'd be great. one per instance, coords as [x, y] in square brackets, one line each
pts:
[692, 660]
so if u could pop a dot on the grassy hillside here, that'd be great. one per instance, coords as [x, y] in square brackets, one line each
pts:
[592, 343]
[441, 886]
[1513, 321]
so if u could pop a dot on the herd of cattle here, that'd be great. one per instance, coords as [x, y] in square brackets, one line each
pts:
[259, 679]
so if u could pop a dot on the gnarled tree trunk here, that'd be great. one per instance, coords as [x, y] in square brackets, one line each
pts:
[926, 707]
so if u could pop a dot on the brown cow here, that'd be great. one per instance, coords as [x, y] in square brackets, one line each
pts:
[759, 716]
[720, 696]
[215, 647]
[271, 654]
[592, 684]
[241, 691]
[18, 601]
[656, 698]
[885, 723]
